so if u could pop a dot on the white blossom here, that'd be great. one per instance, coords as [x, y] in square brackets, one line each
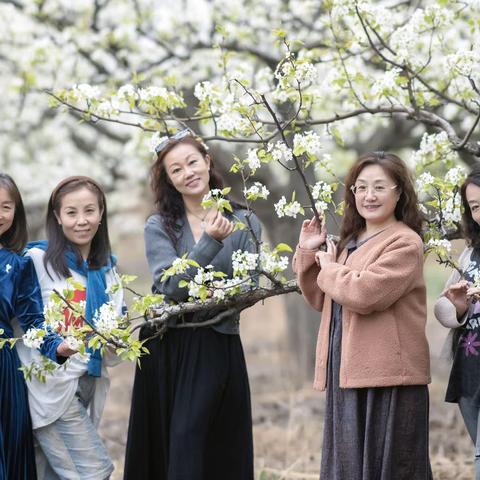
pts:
[203, 91]
[321, 206]
[194, 289]
[280, 152]
[302, 72]
[257, 190]
[33, 337]
[292, 209]
[455, 175]
[322, 191]
[253, 160]
[387, 83]
[308, 142]
[273, 263]
[127, 91]
[439, 243]
[451, 211]
[105, 109]
[179, 266]
[86, 91]
[152, 92]
[218, 294]
[229, 122]
[106, 318]
[243, 262]
[204, 275]
[424, 180]
[155, 140]
[434, 147]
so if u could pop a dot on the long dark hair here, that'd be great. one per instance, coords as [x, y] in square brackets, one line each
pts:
[470, 228]
[15, 238]
[100, 249]
[407, 205]
[168, 201]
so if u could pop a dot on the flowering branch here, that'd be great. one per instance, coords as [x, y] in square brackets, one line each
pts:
[160, 316]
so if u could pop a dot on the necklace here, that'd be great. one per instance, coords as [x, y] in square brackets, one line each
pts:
[202, 219]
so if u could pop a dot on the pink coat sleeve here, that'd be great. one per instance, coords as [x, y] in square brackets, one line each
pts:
[307, 270]
[381, 284]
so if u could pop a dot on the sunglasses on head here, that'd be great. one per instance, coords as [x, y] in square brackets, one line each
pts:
[177, 136]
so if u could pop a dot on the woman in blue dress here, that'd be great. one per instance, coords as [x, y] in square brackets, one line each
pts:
[20, 297]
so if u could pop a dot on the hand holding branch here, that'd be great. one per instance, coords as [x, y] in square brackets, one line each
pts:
[218, 226]
[313, 234]
[330, 256]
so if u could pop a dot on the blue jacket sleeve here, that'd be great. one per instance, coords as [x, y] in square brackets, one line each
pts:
[28, 308]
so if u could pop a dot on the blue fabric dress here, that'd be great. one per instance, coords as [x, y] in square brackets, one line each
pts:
[20, 297]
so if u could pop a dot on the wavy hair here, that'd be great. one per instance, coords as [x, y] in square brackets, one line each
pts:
[168, 201]
[406, 209]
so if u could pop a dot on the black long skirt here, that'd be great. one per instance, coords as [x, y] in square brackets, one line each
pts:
[191, 415]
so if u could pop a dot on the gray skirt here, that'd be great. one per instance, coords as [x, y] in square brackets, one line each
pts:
[372, 433]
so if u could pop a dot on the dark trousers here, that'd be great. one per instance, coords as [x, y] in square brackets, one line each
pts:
[191, 415]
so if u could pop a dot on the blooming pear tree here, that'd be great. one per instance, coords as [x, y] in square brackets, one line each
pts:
[292, 90]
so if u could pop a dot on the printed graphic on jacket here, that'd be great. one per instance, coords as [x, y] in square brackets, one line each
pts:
[70, 318]
[469, 341]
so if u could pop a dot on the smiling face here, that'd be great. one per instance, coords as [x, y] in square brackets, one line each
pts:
[188, 170]
[377, 196]
[7, 210]
[472, 194]
[79, 216]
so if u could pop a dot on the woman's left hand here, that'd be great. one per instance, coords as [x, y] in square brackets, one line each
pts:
[330, 256]
[473, 293]
[63, 350]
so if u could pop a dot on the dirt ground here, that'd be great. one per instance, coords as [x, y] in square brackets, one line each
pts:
[287, 420]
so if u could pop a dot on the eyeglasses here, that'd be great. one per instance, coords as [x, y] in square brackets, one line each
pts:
[359, 190]
[177, 136]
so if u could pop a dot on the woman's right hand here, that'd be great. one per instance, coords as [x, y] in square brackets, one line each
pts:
[457, 294]
[313, 234]
[218, 226]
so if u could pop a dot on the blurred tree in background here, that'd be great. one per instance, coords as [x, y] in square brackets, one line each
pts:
[285, 92]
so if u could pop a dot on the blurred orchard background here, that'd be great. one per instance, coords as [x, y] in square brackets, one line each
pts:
[277, 88]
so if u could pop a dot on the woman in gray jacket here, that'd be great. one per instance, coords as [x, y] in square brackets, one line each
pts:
[190, 416]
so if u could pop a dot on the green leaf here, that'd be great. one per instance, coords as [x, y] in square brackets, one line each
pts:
[283, 247]
[239, 226]
[280, 33]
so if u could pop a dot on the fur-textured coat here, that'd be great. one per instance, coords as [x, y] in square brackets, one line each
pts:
[382, 291]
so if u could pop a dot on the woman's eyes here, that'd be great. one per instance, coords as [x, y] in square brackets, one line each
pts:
[72, 213]
[178, 170]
